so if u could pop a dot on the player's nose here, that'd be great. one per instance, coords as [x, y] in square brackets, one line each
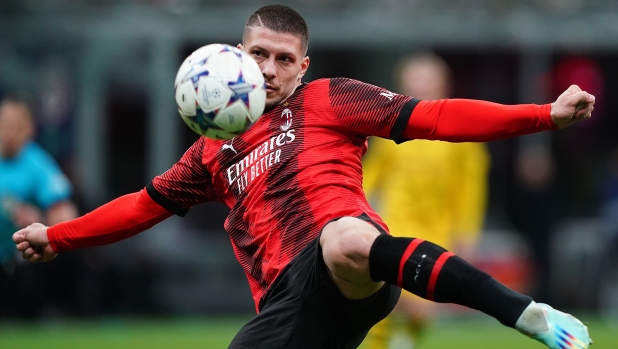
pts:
[268, 68]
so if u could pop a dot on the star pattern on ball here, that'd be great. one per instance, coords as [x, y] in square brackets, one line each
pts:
[240, 89]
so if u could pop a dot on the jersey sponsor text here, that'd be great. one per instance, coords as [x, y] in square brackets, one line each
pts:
[258, 161]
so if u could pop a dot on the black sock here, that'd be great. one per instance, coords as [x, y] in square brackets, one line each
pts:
[431, 272]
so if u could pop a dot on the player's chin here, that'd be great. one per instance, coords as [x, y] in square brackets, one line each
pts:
[271, 103]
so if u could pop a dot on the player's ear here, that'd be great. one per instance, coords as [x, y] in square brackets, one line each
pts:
[240, 46]
[304, 65]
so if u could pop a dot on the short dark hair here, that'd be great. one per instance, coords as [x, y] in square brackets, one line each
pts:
[281, 19]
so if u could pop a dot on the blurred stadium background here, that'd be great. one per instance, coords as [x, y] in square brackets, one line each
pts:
[102, 71]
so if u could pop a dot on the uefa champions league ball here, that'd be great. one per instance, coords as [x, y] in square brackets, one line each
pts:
[219, 91]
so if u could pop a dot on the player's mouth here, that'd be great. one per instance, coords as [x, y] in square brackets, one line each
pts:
[270, 88]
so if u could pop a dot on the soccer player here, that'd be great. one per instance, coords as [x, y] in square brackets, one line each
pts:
[320, 263]
[437, 190]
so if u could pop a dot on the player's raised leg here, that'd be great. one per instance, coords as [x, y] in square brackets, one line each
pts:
[360, 259]
[346, 244]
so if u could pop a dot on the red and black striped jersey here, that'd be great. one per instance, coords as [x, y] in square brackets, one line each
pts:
[294, 170]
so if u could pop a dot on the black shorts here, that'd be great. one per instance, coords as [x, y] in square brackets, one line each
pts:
[303, 309]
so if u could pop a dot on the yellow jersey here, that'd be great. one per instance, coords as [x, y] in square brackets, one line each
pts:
[432, 190]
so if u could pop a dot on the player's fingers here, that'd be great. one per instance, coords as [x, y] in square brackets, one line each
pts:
[19, 236]
[579, 97]
[591, 98]
[27, 253]
[579, 100]
[586, 113]
[37, 257]
[574, 89]
[587, 99]
[22, 246]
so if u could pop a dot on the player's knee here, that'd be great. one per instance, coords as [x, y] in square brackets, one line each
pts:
[353, 243]
[346, 244]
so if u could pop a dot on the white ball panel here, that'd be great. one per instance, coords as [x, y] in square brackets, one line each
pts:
[232, 118]
[196, 70]
[185, 98]
[257, 102]
[251, 71]
[197, 57]
[212, 94]
[225, 64]
[182, 71]
[205, 51]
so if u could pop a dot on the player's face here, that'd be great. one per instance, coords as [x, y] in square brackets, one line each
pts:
[281, 59]
[15, 128]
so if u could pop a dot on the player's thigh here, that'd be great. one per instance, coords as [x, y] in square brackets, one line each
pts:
[346, 244]
[326, 320]
[303, 309]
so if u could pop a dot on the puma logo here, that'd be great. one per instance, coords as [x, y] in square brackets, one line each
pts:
[230, 147]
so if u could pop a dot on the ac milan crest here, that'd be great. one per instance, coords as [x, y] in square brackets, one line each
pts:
[286, 119]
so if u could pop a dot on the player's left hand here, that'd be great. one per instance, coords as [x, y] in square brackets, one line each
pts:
[571, 106]
[33, 243]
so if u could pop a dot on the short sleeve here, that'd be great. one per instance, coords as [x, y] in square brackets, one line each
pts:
[186, 184]
[367, 110]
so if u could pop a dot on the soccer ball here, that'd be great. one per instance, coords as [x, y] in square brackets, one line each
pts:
[219, 91]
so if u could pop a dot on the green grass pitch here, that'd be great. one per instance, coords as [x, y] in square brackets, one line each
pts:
[216, 333]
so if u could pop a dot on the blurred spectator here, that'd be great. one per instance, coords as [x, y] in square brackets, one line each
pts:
[534, 208]
[32, 189]
[434, 190]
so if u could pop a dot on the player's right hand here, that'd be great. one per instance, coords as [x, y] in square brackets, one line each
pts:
[571, 106]
[33, 243]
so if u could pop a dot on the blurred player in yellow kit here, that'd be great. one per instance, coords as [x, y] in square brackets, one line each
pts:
[435, 190]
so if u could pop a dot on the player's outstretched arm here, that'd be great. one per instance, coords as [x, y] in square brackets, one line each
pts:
[117, 220]
[468, 120]
[571, 106]
[33, 243]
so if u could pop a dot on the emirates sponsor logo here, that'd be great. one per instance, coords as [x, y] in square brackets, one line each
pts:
[256, 163]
